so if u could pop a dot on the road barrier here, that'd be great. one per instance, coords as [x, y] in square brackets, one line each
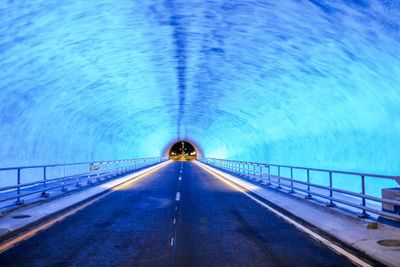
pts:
[65, 176]
[271, 174]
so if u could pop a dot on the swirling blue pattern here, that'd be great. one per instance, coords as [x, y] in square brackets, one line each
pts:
[312, 83]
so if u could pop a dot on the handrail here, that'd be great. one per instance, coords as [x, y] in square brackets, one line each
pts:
[78, 176]
[249, 169]
[76, 163]
[315, 169]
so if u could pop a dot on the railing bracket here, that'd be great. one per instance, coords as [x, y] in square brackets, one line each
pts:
[45, 194]
[330, 204]
[19, 202]
[363, 215]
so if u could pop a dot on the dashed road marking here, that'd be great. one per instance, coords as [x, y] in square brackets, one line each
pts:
[178, 196]
[172, 242]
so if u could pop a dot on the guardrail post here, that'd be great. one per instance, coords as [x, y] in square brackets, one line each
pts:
[363, 213]
[89, 181]
[291, 181]
[279, 178]
[308, 196]
[63, 189]
[269, 175]
[77, 180]
[330, 203]
[260, 173]
[19, 200]
[254, 171]
[44, 193]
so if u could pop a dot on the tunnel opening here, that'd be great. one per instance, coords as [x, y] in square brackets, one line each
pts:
[182, 151]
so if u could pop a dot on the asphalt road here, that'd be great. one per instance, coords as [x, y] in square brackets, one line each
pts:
[207, 223]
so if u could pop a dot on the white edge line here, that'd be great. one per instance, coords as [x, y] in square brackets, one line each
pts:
[311, 233]
[134, 178]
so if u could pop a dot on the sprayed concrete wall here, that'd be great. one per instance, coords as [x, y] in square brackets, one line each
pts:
[311, 83]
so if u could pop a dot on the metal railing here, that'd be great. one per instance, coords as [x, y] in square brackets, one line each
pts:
[270, 174]
[65, 175]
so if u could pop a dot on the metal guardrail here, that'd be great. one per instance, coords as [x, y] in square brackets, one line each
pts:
[78, 174]
[262, 172]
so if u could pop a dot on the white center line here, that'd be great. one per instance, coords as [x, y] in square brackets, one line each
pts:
[172, 241]
[174, 221]
[178, 196]
[180, 178]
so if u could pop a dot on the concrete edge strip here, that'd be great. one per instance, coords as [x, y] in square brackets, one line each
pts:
[31, 229]
[353, 258]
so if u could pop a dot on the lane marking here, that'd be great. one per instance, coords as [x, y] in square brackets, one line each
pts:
[311, 233]
[172, 242]
[174, 221]
[8, 244]
[178, 196]
[180, 178]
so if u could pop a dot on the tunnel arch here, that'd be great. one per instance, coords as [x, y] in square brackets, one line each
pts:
[182, 151]
[167, 148]
[127, 88]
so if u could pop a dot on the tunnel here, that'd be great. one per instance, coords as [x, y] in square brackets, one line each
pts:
[182, 151]
[307, 83]
[200, 133]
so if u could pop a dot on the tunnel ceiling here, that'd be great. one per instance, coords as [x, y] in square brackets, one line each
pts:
[314, 83]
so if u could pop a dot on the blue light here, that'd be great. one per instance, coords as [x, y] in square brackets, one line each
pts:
[293, 82]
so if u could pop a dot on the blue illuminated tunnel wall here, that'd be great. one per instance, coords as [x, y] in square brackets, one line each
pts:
[312, 83]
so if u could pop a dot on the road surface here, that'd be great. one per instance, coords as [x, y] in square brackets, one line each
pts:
[164, 220]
